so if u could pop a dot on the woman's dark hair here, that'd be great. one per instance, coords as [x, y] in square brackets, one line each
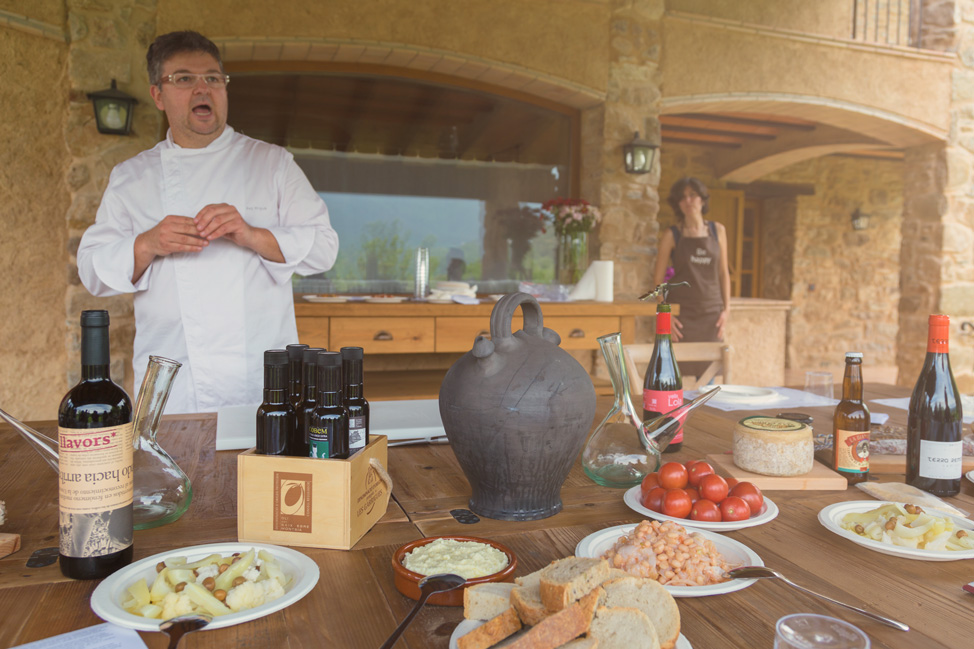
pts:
[168, 45]
[676, 195]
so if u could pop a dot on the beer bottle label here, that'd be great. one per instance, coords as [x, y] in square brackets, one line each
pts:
[852, 451]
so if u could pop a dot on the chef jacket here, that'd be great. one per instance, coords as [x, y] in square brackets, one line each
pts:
[217, 310]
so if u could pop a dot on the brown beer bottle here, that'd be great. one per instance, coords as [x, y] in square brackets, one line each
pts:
[850, 425]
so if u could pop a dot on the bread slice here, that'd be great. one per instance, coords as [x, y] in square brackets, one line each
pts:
[652, 599]
[567, 580]
[486, 601]
[561, 627]
[623, 628]
[526, 598]
[581, 643]
[491, 632]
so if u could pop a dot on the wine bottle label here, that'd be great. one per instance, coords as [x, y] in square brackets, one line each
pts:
[663, 323]
[95, 490]
[941, 460]
[663, 401]
[852, 451]
[318, 437]
[356, 433]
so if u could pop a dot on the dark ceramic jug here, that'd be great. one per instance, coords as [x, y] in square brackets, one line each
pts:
[517, 410]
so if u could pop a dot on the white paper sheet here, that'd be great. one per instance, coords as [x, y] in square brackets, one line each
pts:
[904, 404]
[100, 636]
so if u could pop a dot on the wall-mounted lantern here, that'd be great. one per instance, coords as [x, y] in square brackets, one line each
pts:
[860, 220]
[639, 155]
[113, 110]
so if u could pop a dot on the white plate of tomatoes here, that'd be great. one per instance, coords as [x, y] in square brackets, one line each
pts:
[693, 495]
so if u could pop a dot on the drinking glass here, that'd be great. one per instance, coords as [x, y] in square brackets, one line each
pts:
[422, 277]
[819, 383]
[809, 631]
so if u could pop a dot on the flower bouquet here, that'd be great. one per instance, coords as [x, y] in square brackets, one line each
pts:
[573, 219]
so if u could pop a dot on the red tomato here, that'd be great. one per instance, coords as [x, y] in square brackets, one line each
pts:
[653, 500]
[749, 494]
[676, 503]
[731, 482]
[693, 493]
[734, 509]
[713, 487]
[705, 510]
[673, 475]
[698, 471]
[689, 464]
[651, 480]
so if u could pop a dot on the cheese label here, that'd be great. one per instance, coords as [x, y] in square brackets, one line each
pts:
[852, 451]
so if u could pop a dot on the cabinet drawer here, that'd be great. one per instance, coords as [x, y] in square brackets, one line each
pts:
[383, 335]
[456, 334]
[313, 331]
[581, 333]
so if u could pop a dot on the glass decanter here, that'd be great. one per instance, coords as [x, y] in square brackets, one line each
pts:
[614, 455]
[162, 491]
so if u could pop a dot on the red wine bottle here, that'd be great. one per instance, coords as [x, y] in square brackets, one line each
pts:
[276, 420]
[934, 451]
[663, 387]
[95, 463]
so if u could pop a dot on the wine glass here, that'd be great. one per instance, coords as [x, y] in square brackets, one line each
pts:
[819, 383]
[810, 631]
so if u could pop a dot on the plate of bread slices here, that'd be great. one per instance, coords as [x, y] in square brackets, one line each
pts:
[575, 603]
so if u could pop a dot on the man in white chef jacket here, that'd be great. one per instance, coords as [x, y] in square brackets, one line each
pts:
[206, 229]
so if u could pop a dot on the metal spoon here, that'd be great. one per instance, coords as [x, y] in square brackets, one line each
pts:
[427, 586]
[761, 572]
[177, 627]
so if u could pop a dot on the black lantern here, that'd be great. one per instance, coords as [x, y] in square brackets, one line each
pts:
[113, 110]
[639, 155]
[860, 220]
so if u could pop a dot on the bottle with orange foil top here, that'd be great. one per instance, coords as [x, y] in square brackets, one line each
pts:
[850, 425]
[663, 386]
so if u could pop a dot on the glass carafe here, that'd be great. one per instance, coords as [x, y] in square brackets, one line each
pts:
[614, 455]
[162, 491]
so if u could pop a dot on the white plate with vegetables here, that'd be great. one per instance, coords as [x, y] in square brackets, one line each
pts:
[768, 512]
[115, 598]
[935, 529]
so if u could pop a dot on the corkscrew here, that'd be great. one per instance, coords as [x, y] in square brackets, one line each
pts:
[663, 289]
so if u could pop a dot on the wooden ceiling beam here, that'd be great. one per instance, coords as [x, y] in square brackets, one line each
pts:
[729, 119]
[677, 130]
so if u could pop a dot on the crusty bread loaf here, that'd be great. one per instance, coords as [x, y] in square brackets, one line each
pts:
[652, 599]
[492, 631]
[486, 601]
[581, 643]
[623, 628]
[568, 579]
[526, 598]
[561, 627]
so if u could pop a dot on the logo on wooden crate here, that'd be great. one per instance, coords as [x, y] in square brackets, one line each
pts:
[292, 502]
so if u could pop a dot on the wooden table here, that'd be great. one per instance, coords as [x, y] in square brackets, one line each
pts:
[356, 604]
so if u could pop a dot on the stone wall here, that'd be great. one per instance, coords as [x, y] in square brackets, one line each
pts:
[779, 217]
[33, 200]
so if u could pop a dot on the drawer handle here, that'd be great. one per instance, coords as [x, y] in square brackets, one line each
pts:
[577, 333]
[382, 335]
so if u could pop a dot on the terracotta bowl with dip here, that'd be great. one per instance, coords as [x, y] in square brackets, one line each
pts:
[407, 581]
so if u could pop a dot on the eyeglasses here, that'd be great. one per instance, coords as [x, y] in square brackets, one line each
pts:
[186, 80]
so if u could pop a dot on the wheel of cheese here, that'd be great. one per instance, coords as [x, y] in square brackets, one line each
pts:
[773, 446]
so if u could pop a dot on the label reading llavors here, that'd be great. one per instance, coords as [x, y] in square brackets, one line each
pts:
[941, 460]
[95, 490]
[356, 434]
[663, 401]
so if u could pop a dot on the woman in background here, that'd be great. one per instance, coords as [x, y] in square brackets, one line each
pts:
[697, 250]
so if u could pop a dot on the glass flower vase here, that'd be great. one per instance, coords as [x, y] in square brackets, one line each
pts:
[614, 455]
[572, 257]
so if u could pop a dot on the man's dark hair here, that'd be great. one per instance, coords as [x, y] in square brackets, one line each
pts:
[168, 45]
[676, 195]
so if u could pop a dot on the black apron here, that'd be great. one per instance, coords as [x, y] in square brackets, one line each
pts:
[697, 260]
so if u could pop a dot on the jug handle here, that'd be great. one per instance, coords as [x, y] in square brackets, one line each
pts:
[503, 313]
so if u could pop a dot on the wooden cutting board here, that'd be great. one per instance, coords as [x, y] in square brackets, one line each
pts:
[819, 478]
[897, 463]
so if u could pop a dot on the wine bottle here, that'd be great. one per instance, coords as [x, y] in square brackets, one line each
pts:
[275, 417]
[850, 425]
[298, 445]
[95, 448]
[934, 451]
[663, 386]
[355, 402]
[295, 359]
[328, 432]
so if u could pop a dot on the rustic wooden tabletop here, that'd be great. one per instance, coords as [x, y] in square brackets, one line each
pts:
[355, 603]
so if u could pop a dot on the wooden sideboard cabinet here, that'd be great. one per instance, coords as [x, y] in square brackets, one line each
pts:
[419, 328]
